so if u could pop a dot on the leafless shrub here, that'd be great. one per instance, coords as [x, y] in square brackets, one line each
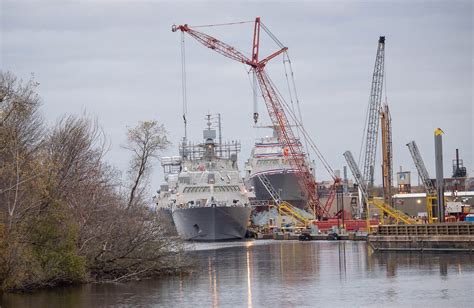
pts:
[20, 138]
[63, 216]
[145, 141]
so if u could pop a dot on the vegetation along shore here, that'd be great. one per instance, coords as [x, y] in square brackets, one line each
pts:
[66, 215]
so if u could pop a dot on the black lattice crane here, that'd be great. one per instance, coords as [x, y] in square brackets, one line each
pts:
[375, 113]
[374, 110]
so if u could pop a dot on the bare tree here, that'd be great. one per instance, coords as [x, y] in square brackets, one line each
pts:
[118, 242]
[20, 138]
[145, 141]
[62, 216]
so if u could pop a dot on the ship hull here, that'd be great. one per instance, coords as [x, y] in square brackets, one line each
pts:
[211, 223]
[286, 184]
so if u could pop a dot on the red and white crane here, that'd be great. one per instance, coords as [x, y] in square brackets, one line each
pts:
[292, 147]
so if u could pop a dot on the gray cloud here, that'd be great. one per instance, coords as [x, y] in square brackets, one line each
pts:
[119, 61]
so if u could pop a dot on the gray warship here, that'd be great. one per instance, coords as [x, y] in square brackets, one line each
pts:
[268, 157]
[204, 191]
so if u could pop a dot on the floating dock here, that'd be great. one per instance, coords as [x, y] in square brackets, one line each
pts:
[441, 237]
[352, 236]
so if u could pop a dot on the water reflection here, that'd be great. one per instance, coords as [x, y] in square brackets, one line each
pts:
[283, 274]
[213, 283]
[249, 281]
[445, 264]
[342, 260]
[181, 289]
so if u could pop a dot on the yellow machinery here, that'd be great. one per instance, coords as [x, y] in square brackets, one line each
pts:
[387, 156]
[430, 201]
[399, 216]
[379, 203]
[286, 209]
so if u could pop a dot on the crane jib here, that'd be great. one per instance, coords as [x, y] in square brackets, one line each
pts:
[275, 108]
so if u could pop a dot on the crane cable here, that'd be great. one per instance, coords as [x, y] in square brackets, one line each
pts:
[385, 82]
[363, 141]
[183, 84]
[288, 82]
[223, 24]
[290, 68]
[299, 122]
[272, 36]
[289, 109]
[294, 87]
[295, 93]
[285, 104]
[304, 132]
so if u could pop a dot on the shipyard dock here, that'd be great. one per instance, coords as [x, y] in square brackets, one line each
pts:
[438, 237]
[445, 237]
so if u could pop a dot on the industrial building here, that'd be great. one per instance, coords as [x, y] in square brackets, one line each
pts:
[414, 204]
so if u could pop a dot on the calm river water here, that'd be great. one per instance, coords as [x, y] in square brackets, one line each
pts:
[285, 274]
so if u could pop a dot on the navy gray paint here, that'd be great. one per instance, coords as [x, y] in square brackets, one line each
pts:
[438, 138]
[211, 223]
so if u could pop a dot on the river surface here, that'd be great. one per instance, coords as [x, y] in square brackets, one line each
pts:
[284, 274]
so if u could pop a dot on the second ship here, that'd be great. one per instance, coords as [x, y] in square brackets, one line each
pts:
[268, 157]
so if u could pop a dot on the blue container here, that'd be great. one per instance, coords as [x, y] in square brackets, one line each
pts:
[469, 217]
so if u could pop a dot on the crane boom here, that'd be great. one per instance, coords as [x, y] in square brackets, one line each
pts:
[431, 193]
[420, 167]
[275, 107]
[288, 140]
[214, 44]
[381, 205]
[357, 174]
[373, 114]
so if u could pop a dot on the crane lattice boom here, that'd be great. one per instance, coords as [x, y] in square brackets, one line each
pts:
[357, 174]
[420, 167]
[275, 108]
[373, 114]
[288, 139]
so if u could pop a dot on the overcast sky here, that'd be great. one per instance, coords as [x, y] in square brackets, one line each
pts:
[119, 61]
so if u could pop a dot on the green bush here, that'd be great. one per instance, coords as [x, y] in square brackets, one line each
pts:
[53, 242]
[44, 254]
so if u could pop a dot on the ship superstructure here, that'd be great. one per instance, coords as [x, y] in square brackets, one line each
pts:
[268, 157]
